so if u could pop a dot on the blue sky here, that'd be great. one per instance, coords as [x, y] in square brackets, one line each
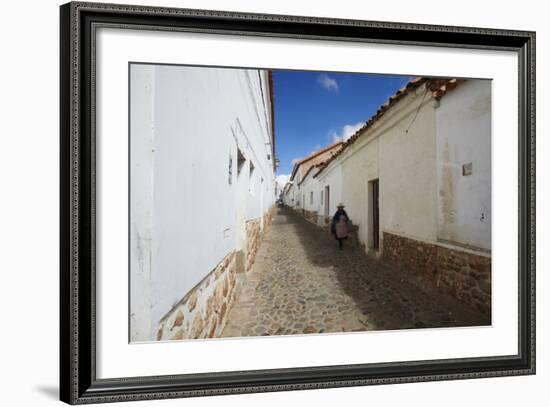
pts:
[314, 109]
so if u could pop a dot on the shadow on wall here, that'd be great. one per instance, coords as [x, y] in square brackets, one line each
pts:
[387, 297]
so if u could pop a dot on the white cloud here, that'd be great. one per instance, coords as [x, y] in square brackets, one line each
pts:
[295, 160]
[328, 83]
[345, 132]
[282, 179]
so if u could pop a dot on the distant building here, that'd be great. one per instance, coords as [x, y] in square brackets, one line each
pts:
[298, 196]
[312, 194]
[317, 157]
[202, 185]
[288, 194]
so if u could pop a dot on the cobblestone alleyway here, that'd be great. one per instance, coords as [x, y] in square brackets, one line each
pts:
[301, 283]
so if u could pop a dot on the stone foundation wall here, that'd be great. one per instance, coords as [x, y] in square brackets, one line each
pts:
[310, 216]
[255, 230]
[202, 312]
[460, 273]
[268, 218]
[323, 221]
[253, 239]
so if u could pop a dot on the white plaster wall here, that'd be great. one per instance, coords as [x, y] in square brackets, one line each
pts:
[407, 182]
[416, 151]
[463, 124]
[331, 176]
[399, 151]
[142, 208]
[294, 196]
[200, 117]
[298, 201]
[287, 196]
[363, 158]
[308, 186]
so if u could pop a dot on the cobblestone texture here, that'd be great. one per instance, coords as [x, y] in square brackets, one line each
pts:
[301, 283]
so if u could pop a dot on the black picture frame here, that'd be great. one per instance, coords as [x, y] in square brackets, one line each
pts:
[78, 381]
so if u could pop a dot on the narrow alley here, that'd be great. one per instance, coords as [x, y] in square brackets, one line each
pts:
[301, 283]
[248, 252]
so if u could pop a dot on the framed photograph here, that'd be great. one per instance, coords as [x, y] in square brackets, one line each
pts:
[254, 203]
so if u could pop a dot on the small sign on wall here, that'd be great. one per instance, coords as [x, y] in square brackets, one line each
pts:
[467, 169]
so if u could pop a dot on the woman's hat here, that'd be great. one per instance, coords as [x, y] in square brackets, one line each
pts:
[340, 205]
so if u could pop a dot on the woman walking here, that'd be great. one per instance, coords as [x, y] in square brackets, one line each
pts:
[339, 225]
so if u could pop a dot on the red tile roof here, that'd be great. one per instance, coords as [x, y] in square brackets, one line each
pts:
[313, 155]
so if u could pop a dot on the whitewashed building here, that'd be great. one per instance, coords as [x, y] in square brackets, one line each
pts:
[329, 183]
[312, 195]
[202, 186]
[416, 180]
[304, 193]
[288, 195]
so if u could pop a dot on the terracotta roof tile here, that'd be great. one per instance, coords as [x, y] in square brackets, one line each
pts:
[313, 155]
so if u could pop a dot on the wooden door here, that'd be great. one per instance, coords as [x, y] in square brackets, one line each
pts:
[375, 214]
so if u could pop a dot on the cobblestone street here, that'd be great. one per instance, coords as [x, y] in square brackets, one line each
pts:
[301, 283]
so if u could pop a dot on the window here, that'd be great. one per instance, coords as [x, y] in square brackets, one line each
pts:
[327, 200]
[321, 198]
[252, 168]
[230, 172]
[240, 161]
[467, 169]
[251, 178]
[311, 197]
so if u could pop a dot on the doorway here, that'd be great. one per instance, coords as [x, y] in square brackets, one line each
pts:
[327, 201]
[374, 215]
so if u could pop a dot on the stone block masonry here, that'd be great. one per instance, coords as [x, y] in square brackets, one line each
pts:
[255, 230]
[311, 216]
[202, 313]
[461, 273]
[268, 218]
[253, 239]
